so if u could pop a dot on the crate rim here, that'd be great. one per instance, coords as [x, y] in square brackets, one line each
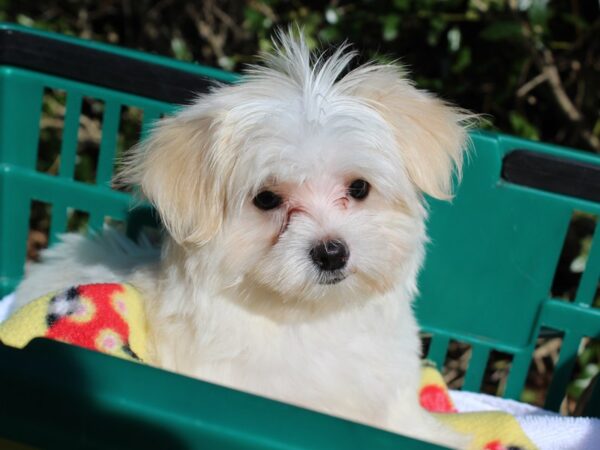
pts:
[111, 66]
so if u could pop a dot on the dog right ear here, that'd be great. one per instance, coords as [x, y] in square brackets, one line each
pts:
[182, 170]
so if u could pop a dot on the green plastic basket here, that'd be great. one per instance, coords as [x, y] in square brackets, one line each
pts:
[486, 282]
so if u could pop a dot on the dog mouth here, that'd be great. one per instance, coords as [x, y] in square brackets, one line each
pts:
[331, 277]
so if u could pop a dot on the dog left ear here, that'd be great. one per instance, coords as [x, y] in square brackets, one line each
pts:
[431, 135]
[182, 169]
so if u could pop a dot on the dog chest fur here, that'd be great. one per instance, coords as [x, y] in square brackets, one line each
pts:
[349, 363]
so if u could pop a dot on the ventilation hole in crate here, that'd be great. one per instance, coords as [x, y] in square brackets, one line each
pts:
[39, 229]
[425, 343]
[573, 257]
[77, 221]
[144, 220]
[130, 128]
[541, 369]
[586, 371]
[52, 123]
[456, 364]
[89, 137]
[496, 373]
[116, 224]
[572, 380]
[586, 368]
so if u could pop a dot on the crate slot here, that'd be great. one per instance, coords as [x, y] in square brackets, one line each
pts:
[52, 123]
[117, 224]
[77, 221]
[496, 373]
[553, 173]
[425, 343]
[89, 137]
[39, 228]
[541, 366]
[588, 293]
[563, 370]
[571, 274]
[564, 360]
[457, 363]
[584, 387]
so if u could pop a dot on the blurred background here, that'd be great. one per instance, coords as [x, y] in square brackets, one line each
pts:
[531, 66]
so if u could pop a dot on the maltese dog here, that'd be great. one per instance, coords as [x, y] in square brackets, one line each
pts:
[293, 204]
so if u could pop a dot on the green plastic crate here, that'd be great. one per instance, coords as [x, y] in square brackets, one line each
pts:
[486, 280]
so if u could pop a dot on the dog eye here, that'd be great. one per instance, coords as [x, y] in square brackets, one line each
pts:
[359, 189]
[266, 200]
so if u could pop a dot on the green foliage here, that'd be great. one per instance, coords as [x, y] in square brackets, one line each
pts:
[502, 31]
[587, 362]
[522, 126]
[485, 55]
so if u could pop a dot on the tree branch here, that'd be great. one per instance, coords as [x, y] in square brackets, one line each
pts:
[546, 64]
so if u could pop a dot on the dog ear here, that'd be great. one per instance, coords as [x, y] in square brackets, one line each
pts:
[182, 171]
[431, 135]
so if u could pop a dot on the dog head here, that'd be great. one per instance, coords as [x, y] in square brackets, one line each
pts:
[301, 181]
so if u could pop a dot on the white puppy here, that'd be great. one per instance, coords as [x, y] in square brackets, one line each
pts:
[293, 203]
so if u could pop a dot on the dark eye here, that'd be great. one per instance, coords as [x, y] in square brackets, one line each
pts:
[359, 189]
[267, 200]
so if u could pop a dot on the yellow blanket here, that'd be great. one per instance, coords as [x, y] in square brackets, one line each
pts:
[109, 318]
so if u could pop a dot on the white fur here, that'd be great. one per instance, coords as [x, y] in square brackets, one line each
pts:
[235, 298]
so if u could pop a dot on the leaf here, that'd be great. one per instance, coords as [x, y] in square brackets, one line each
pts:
[539, 14]
[436, 27]
[501, 31]
[523, 127]
[596, 129]
[454, 38]
[463, 60]
[579, 263]
[180, 49]
[329, 34]
[576, 21]
[390, 27]
[528, 396]
[332, 16]
[253, 19]
[226, 62]
[402, 5]
[27, 21]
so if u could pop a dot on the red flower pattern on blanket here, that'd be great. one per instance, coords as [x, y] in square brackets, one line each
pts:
[90, 316]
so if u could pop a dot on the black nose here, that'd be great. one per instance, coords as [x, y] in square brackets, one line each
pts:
[330, 255]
